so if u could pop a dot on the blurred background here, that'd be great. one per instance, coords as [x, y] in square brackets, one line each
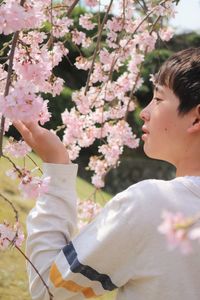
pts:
[134, 165]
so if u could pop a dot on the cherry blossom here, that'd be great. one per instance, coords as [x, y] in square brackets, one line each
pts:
[16, 17]
[58, 52]
[16, 149]
[10, 235]
[30, 186]
[22, 105]
[166, 33]
[82, 63]
[175, 227]
[79, 37]
[91, 3]
[111, 153]
[87, 211]
[85, 21]
[61, 26]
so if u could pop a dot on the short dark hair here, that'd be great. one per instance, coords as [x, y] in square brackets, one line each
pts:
[181, 73]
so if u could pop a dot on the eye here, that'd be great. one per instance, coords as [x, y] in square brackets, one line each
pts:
[157, 99]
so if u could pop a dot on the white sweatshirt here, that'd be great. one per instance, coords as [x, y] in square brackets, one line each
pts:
[121, 249]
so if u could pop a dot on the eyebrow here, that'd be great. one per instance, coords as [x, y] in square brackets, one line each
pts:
[158, 89]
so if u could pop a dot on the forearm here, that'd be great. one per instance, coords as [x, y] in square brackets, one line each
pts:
[51, 223]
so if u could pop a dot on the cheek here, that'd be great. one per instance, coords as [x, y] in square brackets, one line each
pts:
[166, 125]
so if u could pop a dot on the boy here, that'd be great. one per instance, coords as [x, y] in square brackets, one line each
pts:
[122, 247]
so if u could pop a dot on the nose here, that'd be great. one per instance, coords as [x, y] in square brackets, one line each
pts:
[144, 114]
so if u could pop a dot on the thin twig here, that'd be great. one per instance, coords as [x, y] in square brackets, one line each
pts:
[14, 165]
[71, 8]
[12, 205]
[138, 75]
[136, 29]
[34, 163]
[4, 57]
[97, 46]
[5, 45]
[147, 16]
[32, 265]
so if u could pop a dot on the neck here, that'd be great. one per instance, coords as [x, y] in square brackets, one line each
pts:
[188, 169]
[188, 160]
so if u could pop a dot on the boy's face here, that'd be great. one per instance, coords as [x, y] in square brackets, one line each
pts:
[164, 129]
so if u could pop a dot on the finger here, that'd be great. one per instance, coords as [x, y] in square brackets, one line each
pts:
[33, 127]
[23, 130]
[19, 126]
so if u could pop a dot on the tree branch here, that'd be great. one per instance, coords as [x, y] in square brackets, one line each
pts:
[12, 205]
[71, 8]
[8, 82]
[97, 46]
[32, 265]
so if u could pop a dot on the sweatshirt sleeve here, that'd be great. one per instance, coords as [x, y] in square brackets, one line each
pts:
[97, 260]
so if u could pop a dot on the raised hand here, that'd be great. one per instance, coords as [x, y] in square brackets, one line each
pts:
[44, 142]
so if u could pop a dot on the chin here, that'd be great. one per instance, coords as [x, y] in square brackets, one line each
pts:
[156, 155]
[152, 154]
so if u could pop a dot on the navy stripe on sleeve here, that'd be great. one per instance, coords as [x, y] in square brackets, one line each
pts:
[76, 267]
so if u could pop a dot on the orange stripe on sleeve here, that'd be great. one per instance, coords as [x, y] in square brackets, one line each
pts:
[58, 281]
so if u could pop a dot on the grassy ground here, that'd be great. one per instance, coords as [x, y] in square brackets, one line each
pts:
[13, 279]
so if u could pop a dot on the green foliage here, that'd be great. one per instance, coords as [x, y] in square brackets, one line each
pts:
[57, 105]
[152, 63]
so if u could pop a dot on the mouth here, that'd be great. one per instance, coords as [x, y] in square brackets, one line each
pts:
[145, 132]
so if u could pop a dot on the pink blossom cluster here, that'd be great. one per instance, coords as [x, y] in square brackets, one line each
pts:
[162, 9]
[10, 235]
[16, 148]
[101, 108]
[87, 211]
[179, 230]
[23, 104]
[81, 131]
[61, 25]
[33, 62]
[80, 38]
[30, 186]
[86, 22]
[15, 17]
[166, 33]
[92, 3]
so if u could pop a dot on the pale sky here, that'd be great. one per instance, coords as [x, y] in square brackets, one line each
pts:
[188, 16]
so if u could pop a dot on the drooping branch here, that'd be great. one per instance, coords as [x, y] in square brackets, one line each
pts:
[12, 205]
[13, 164]
[72, 7]
[97, 45]
[8, 81]
[34, 163]
[32, 265]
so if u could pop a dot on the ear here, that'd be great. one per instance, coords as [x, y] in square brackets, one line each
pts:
[195, 126]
